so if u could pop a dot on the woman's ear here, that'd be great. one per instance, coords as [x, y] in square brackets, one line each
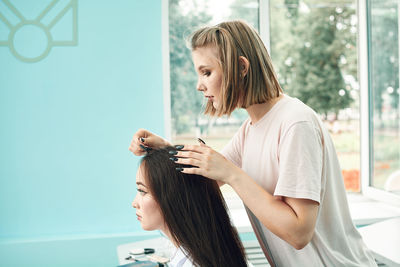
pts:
[244, 66]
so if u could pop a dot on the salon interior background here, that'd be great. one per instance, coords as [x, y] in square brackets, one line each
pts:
[78, 78]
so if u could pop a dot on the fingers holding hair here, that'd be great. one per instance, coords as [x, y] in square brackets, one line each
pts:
[194, 155]
[138, 142]
[192, 152]
[197, 171]
[188, 161]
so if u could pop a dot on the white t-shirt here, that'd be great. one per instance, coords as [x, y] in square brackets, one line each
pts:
[289, 153]
[179, 259]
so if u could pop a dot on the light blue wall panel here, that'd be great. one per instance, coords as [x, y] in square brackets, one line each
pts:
[66, 119]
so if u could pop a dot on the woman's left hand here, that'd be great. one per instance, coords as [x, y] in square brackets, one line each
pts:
[208, 162]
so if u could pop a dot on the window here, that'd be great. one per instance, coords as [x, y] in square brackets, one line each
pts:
[383, 56]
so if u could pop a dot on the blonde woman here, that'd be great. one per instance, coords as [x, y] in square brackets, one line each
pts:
[281, 162]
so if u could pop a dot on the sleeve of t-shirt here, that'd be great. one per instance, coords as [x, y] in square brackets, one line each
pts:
[300, 162]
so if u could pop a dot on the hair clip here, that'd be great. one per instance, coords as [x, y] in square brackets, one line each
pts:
[139, 251]
[201, 141]
[145, 148]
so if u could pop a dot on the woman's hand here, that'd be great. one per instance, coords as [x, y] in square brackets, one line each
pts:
[208, 162]
[143, 139]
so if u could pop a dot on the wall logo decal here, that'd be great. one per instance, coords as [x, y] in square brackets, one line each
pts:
[31, 40]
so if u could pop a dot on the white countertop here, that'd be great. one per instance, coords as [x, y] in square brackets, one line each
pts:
[383, 238]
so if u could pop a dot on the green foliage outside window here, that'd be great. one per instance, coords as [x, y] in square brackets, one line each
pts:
[313, 46]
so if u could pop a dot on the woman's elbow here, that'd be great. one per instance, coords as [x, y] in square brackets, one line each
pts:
[301, 241]
[300, 244]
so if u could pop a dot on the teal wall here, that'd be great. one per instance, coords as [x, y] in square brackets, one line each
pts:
[67, 178]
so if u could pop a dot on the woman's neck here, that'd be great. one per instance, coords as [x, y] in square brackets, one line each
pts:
[257, 111]
[168, 234]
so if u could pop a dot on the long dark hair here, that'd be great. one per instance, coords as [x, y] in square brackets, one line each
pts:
[194, 212]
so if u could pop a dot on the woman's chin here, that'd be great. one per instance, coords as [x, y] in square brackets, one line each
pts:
[148, 228]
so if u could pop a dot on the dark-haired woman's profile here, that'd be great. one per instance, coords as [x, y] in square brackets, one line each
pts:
[189, 210]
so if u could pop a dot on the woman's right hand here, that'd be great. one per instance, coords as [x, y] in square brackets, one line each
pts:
[145, 138]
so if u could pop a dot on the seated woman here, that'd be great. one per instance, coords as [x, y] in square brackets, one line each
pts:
[189, 210]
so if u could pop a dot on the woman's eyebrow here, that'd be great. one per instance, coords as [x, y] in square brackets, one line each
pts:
[140, 183]
[202, 67]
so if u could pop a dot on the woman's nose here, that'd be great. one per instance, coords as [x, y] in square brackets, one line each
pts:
[134, 203]
[200, 87]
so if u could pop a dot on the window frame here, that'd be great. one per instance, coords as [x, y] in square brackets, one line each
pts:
[165, 68]
[366, 133]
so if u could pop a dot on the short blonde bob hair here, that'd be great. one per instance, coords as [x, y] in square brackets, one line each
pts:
[232, 40]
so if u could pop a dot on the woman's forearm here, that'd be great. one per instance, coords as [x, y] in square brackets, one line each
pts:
[290, 219]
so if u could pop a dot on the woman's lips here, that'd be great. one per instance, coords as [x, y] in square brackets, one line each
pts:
[139, 217]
